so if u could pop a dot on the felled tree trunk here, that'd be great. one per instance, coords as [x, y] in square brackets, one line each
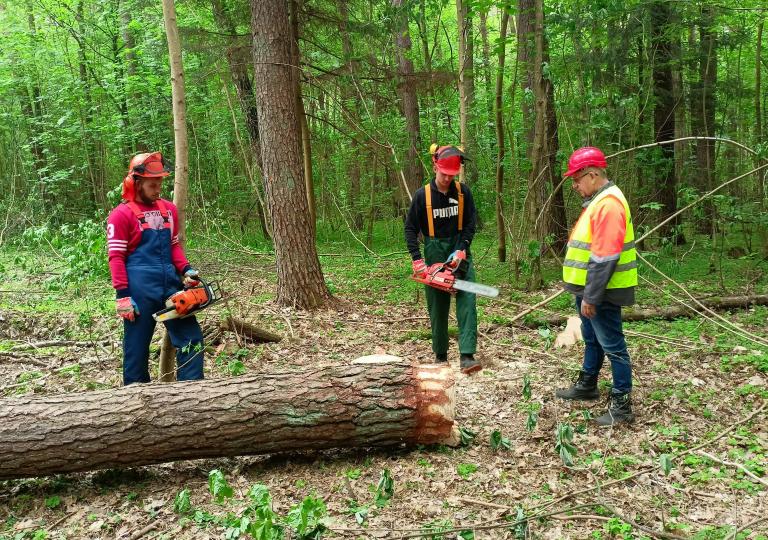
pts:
[376, 401]
[672, 312]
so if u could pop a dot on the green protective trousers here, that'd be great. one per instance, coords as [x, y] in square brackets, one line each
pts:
[439, 302]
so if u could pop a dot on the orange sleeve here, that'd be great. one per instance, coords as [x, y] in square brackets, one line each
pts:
[609, 226]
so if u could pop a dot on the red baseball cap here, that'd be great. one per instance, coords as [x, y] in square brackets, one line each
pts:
[448, 160]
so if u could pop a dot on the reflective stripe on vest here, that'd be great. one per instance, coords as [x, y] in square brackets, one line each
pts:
[580, 245]
[430, 219]
[166, 215]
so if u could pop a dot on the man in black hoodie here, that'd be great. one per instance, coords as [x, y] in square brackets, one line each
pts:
[444, 213]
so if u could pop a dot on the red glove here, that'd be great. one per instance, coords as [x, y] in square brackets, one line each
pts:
[455, 258]
[126, 308]
[419, 267]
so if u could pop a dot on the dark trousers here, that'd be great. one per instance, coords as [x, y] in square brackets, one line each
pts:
[439, 302]
[603, 335]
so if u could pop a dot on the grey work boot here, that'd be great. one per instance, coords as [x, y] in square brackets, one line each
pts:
[585, 388]
[619, 411]
[469, 365]
[441, 358]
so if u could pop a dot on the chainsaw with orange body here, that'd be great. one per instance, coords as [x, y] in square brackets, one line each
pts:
[189, 301]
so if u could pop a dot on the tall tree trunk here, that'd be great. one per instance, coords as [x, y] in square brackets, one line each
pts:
[663, 175]
[141, 424]
[487, 77]
[466, 89]
[554, 213]
[350, 100]
[237, 60]
[406, 89]
[703, 113]
[762, 230]
[300, 279]
[501, 232]
[531, 32]
[35, 116]
[181, 145]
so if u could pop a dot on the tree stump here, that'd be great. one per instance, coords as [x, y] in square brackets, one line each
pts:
[376, 401]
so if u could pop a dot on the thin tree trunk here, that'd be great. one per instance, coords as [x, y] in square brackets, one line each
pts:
[703, 114]
[762, 231]
[499, 106]
[326, 407]
[181, 171]
[350, 100]
[487, 77]
[663, 179]
[466, 89]
[300, 279]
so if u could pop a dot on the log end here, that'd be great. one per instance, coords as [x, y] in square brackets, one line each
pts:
[434, 394]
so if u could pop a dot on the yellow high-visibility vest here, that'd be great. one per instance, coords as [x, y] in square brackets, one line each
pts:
[430, 219]
[580, 245]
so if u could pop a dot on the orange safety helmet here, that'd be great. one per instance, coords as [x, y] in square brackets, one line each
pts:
[589, 156]
[151, 165]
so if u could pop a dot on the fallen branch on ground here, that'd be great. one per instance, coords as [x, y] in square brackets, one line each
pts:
[671, 312]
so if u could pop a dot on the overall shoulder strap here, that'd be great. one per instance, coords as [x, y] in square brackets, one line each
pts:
[139, 214]
[165, 213]
[461, 205]
[428, 197]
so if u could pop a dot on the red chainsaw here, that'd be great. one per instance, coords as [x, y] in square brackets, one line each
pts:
[189, 301]
[442, 276]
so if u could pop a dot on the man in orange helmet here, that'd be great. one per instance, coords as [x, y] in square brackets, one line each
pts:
[600, 269]
[148, 265]
[444, 212]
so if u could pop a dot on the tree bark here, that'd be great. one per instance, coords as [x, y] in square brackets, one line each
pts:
[306, 140]
[409, 100]
[181, 171]
[501, 232]
[703, 114]
[300, 279]
[376, 401]
[762, 232]
[663, 179]
[641, 314]
[468, 173]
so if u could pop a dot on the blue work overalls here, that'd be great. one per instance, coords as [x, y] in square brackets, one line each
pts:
[151, 279]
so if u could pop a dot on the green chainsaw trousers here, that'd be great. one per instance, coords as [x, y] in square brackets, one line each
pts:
[439, 302]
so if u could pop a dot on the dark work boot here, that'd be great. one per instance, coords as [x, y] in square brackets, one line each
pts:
[469, 365]
[441, 358]
[619, 411]
[585, 388]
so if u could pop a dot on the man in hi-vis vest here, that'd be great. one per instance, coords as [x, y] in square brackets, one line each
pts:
[600, 269]
[444, 212]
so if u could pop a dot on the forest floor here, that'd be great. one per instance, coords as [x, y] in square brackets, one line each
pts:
[680, 471]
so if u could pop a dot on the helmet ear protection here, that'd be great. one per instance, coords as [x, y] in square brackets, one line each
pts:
[151, 165]
[444, 151]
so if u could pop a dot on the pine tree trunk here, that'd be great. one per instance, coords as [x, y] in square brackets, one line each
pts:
[373, 402]
[300, 280]
[663, 179]
[408, 98]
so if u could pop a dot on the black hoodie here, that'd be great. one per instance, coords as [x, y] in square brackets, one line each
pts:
[445, 212]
